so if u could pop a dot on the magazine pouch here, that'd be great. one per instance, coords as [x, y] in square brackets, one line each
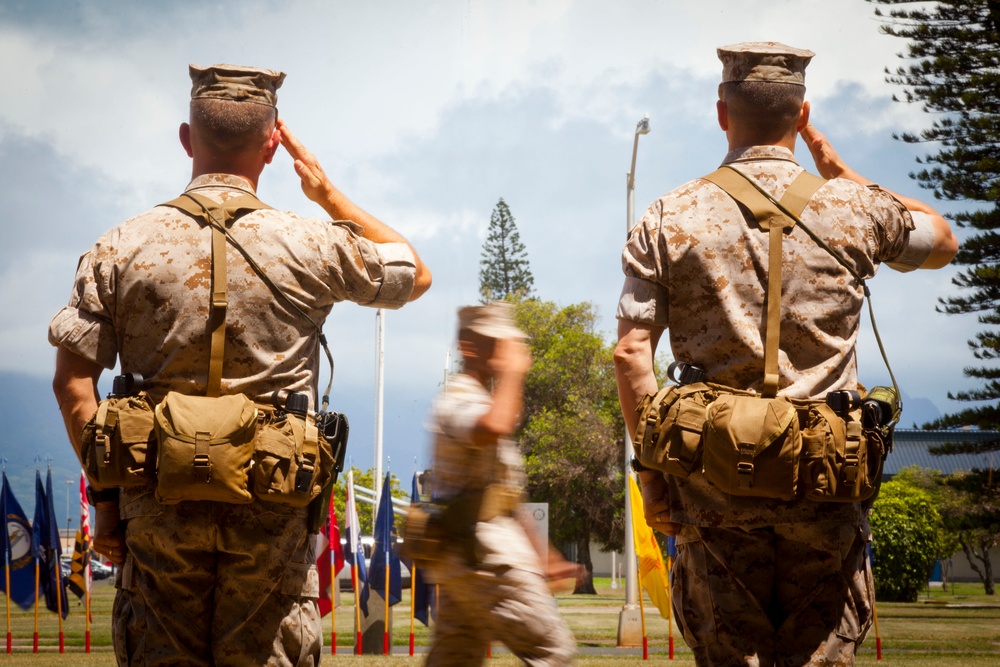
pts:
[292, 463]
[205, 448]
[752, 446]
[118, 447]
[840, 459]
[671, 424]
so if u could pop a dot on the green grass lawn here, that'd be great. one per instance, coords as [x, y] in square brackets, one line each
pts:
[959, 627]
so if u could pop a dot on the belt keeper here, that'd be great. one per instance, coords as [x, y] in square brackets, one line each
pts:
[202, 462]
[104, 450]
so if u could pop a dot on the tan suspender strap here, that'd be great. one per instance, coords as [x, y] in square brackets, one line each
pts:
[217, 216]
[217, 315]
[770, 217]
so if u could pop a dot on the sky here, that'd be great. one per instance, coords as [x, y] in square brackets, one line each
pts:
[425, 114]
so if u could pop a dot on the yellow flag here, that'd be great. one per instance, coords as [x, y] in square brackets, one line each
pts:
[652, 571]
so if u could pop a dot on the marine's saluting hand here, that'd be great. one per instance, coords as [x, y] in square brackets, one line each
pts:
[315, 183]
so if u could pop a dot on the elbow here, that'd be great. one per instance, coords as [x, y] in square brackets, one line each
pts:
[421, 282]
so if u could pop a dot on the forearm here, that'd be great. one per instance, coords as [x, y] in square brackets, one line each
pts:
[634, 369]
[75, 387]
[505, 413]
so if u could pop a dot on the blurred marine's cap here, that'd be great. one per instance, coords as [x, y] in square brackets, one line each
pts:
[236, 83]
[494, 320]
[764, 61]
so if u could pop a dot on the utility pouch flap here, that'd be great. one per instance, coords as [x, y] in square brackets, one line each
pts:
[118, 446]
[752, 446]
[204, 449]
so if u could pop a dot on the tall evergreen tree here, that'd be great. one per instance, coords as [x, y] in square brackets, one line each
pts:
[503, 264]
[954, 49]
[955, 74]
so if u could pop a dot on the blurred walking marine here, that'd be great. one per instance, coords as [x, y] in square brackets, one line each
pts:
[213, 305]
[491, 575]
[768, 445]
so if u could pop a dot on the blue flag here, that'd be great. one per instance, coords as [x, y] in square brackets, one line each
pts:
[45, 531]
[18, 550]
[384, 554]
[421, 591]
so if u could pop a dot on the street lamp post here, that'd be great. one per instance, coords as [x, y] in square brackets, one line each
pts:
[629, 620]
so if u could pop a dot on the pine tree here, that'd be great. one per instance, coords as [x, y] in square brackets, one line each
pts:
[955, 75]
[503, 264]
[955, 46]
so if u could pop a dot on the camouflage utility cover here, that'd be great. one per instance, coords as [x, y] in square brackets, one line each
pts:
[764, 61]
[141, 295]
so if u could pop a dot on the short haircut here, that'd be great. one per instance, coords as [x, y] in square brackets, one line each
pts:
[768, 109]
[231, 127]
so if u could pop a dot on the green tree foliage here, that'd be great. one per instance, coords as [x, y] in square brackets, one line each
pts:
[906, 529]
[972, 514]
[366, 514]
[953, 70]
[503, 265]
[970, 518]
[572, 435]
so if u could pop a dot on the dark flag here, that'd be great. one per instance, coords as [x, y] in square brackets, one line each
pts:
[422, 592]
[384, 554]
[18, 550]
[45, 531]
[80, 576]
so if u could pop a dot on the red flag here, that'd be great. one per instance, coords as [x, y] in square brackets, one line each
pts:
[331, 551]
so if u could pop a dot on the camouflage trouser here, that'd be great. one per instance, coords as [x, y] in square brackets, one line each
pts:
[216, 584]
[507, 605]
[785, 595]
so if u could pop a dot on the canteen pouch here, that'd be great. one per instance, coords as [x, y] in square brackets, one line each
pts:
[671, 425]
[752, 446]
[840, 459]
[205, 448]
[118, 447]
[292, 463]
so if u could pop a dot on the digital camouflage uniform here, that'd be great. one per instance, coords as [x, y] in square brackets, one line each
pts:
[759, 581]
[503, 596]
[210, 583]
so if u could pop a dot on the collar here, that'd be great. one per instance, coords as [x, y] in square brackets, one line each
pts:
[752, 153]
[229, 181]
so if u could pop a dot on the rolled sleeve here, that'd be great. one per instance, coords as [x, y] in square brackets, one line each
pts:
[379, 275]
[399, 269]
[85, 335]
[643, 301]
[84, 326]
[919, 244]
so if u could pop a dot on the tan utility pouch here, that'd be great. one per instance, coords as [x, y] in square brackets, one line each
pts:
[840, 459]
[425, 534]
[752, 446]
[668, 437]
[292, 463]
[205, 445]
[118, 448]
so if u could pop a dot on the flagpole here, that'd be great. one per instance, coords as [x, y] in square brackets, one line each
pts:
[59, 604]
[357, 610]
[413, 601]
[6, 568]
[385, 639]
[37, 585]
[642, 623]
[670, 610]
[333, 582]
